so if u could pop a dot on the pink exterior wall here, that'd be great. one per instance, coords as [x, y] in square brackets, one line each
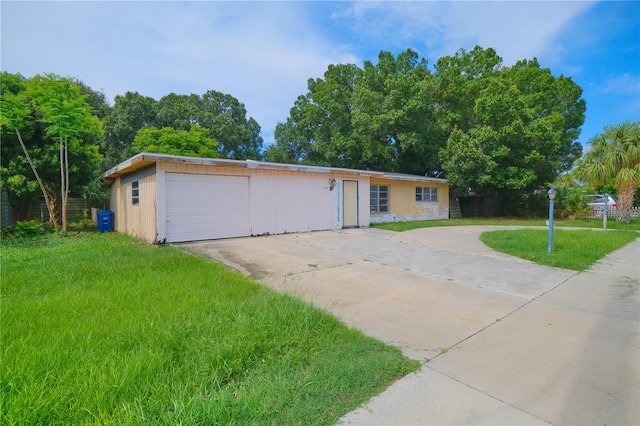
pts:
[283, 202]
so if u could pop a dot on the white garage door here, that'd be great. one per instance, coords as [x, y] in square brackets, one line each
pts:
[204, 207]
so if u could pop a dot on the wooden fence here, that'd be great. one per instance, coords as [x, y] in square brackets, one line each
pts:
[76, 207]
[598, 212]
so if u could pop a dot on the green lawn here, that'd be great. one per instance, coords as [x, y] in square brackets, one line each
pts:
[576, 250]
[572, 249]
[584, 223]
[102, 329]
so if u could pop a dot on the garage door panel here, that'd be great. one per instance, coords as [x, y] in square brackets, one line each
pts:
[201, 207]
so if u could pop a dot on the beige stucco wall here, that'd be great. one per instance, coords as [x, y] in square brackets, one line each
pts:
[140, 220]
[403, 205]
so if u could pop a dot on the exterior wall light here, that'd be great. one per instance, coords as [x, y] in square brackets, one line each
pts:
[332, 184]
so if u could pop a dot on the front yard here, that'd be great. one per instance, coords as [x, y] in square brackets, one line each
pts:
[102, 329]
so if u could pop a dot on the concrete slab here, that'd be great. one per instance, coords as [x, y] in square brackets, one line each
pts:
[508, 341]
[422, 317]
[564, 365]
[429, 398]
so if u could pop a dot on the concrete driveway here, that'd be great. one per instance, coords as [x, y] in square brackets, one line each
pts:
[504, 341]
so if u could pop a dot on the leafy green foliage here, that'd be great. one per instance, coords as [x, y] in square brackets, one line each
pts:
[514, 129]
[614, 159]
[319, 130]
[571, 202]
[194, 143]
[102, 329]
[381, 117]
[131, 112]
[43, 111]
[27, 229]
[223, 116]
[490, 128]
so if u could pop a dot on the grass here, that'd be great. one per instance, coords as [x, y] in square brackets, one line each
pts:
[583, 223]
[572, 249]
[102, 329]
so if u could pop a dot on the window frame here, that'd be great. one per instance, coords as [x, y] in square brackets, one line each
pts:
[375, 206]
[428, 191]
[135, 193]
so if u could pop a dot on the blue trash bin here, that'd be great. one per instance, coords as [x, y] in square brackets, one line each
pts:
[105, 221]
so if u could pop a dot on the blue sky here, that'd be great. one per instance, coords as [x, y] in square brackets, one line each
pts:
[264, 52]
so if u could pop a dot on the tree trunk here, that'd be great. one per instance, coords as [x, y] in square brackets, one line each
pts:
[625, 203]
[65, 186]
[40, 184]
[53, 212]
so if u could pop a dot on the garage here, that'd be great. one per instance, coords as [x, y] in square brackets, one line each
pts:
[204, 207]
[162, 198]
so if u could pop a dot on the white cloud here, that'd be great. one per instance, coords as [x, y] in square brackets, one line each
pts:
[260, 53]
[263, 52]
[516, 30]
[624, 84]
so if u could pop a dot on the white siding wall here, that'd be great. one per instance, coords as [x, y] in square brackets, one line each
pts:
[283, 202]
[279, 201]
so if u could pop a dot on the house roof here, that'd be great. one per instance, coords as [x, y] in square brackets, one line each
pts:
[146, 159]
[412, 178]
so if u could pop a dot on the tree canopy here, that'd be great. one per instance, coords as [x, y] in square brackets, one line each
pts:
[379, 117]
[489, 128]
[194, 142]
[222, 115]
[49, 134]
[520, 133]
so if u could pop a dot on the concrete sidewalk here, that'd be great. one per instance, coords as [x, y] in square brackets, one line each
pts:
[569, 356]
[503, 340]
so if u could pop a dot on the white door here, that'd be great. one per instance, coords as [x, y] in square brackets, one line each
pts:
[205, 207]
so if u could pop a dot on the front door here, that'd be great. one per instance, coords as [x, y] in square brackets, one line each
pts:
[350, 204]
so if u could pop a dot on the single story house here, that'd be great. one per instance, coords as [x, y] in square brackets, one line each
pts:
[166, 198]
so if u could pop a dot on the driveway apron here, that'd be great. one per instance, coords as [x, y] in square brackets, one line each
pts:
[503, 341]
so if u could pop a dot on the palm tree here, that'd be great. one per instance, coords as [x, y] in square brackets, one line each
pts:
[615, 157]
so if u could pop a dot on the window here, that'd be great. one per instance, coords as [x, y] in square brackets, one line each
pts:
[135, 193]
[379, 198]
[426, 194]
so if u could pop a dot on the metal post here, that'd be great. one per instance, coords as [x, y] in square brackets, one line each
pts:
[552, 195]
[606, 212]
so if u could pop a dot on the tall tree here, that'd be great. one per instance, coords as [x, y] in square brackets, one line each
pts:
[226, 118]
[513, 129]
[381, 117]
[395, 108]
[14, 114]
[131, 112]
[460, 79]
[194, 142]
[37, 98]
[178, 111]
[614, 156]
[319, 129]
[67, 117]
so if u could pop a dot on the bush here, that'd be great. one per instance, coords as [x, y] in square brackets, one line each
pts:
[571, 203]
[26, 229]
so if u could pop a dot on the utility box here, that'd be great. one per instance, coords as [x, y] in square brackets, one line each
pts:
[105, 221]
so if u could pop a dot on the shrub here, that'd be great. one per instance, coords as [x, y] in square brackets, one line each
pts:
[571, 203]
[28, 229]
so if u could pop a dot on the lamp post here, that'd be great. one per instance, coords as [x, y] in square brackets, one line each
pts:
[606, 212]
[552, 196]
